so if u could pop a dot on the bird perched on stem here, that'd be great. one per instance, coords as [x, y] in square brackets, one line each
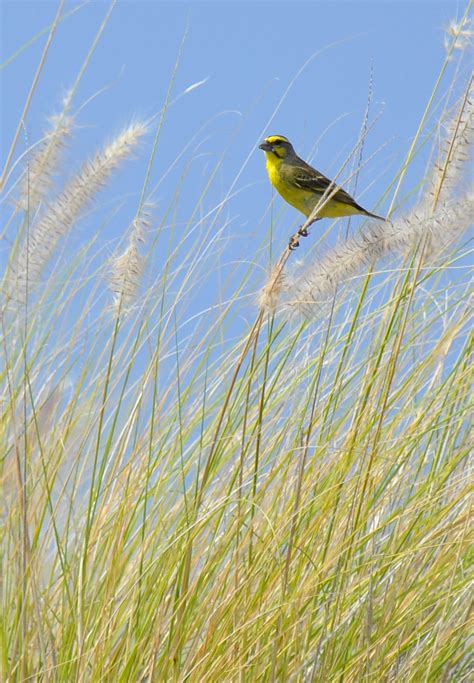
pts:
[304, 187]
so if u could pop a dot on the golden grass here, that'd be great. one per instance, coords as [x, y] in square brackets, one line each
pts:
[291, 504]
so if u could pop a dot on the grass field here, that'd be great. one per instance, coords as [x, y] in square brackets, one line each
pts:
[192, 494]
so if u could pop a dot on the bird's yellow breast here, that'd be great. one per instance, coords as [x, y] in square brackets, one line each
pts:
[280, 174]
[301, 199]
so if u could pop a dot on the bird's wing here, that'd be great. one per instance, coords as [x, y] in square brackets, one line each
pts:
[308, 178]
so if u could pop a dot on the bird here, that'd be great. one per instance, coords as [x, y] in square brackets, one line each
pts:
[304, 187]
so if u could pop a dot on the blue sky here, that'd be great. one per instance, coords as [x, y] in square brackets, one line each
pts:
[249, 52]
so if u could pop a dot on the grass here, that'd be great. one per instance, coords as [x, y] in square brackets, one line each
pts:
[187, 500]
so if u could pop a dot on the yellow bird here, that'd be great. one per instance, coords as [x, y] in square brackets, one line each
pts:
[304, 187]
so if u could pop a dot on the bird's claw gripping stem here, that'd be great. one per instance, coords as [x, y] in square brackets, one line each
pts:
[294, 241]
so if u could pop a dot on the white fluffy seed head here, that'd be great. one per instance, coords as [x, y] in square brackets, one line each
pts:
[126, 269]
[449, 172]
[459, 35]
[271, 293]
[43, 162]
[318, 284]
[61, 214]
[125, 276]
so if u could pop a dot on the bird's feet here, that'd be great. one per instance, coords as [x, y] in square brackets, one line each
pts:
[302, 232]
[294, 242]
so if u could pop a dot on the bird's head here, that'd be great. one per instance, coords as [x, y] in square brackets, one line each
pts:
[277, 146]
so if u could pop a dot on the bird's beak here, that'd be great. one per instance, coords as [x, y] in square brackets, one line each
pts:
[266, 146]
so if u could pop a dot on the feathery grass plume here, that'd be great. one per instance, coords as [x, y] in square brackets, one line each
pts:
[126, 269]
[62, 213]
[38, 179]
[459, 31]
[272, 291]
[376, 241]
[455, 153]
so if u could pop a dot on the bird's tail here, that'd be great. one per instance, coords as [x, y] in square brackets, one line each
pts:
[373, 215]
